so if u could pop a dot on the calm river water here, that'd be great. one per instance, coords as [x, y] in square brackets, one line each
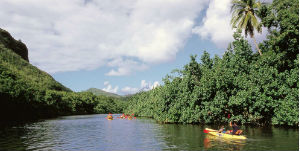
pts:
[94, 132]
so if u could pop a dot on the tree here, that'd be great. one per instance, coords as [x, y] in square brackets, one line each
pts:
[282, 20]
[244, 16]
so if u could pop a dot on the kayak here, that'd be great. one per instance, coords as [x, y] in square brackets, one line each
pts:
[109, 117]
[223, 135]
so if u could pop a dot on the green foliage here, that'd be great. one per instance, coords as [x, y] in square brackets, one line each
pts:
[282, 19]
[16, 46]
[29, 93]
[252, 89]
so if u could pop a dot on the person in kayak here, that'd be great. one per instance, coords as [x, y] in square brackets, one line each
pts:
[234, 130]
[222, 129]
[109, 116]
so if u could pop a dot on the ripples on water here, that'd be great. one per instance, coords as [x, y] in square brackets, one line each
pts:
[94, 132]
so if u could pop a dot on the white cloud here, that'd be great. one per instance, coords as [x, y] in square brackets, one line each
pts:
[129, 90]
[145, 86]
[71, 35]
[216, 24]
[155, 84]
[109, 88]
[148, 85]
[106, 83]
[125, 67]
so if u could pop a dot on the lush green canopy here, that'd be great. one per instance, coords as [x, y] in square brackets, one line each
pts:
[240, 85]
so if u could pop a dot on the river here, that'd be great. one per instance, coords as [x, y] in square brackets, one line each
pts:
[94, 132]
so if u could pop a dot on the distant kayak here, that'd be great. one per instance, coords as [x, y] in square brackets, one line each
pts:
[109, 117]
[223, 135]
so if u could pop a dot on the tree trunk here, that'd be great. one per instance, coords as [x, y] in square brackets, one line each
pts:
[256, 46]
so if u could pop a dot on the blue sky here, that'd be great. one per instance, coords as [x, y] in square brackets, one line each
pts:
[82, 80]
[120, 46]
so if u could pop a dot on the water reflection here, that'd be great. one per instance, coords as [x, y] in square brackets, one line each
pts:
[94, 132]
[180, 136]
[214, 142]
[12, 134]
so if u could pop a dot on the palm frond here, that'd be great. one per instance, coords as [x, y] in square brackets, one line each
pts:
[256, 25]
[246, 20]
[257, 5]
[244, 15]
[237, 4]
[236, 19]
[249, 30]
[240, 25]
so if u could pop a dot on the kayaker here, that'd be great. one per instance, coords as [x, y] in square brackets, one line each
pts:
[222, 129]
[109, 116]
[235, 128]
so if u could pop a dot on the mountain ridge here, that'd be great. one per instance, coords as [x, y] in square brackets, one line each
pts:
[16, 46]
[99, 92]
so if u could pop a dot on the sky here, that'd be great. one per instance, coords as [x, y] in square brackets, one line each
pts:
[119, 46]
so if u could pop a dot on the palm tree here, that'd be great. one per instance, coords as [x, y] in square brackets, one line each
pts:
[244, 16]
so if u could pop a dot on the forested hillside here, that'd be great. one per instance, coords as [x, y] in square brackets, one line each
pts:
[98, 92]
[241, 85]
[17, 46]
[29, 93]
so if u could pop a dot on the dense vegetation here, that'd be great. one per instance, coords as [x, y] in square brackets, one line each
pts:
[240, 85]
[29, 93]
[17, 46]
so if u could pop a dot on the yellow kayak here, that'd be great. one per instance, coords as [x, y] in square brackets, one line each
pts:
[223, 135]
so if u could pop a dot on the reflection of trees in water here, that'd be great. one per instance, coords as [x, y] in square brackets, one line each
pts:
[258, 131]
[183, 137]
[12, 136]
[275, 138]
[217, 143]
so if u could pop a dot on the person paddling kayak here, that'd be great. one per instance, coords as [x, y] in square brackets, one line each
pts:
[109, 116]
[235, 129]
